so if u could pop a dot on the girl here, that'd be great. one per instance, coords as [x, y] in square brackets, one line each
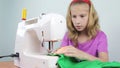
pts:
[84, 39]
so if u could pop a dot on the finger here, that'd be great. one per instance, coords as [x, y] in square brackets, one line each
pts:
[62, 50]
[59, 51]
[69, 54]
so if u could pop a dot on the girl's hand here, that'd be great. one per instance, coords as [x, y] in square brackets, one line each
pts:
[70, 51]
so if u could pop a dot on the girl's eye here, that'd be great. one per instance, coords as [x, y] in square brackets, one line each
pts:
[82, 16]
[74, 16]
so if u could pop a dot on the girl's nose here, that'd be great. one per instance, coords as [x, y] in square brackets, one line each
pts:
[77, 21]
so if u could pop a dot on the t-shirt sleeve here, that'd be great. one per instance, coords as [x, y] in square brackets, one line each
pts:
[65, 40]
[103, 44]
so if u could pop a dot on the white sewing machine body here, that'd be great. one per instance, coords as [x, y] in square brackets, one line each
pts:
[29, 40]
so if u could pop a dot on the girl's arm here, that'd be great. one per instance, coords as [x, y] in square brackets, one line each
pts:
[74, 52]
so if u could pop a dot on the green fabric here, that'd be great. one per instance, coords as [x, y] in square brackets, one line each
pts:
[69, 62]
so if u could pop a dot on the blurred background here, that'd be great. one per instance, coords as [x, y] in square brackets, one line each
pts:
[10, 16]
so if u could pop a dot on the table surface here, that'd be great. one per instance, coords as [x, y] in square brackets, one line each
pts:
[7, 64]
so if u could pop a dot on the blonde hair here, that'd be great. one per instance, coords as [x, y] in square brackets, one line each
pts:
[92, 26]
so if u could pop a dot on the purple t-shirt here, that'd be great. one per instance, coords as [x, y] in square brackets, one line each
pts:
[93, 47]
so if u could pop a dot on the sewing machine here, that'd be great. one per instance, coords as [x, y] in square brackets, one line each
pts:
[32, 34]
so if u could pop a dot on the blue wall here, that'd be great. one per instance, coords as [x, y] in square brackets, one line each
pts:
[8, 25]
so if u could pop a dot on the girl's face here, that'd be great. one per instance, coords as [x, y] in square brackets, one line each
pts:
[79, 16]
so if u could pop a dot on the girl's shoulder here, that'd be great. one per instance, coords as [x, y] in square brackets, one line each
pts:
[101, 34]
